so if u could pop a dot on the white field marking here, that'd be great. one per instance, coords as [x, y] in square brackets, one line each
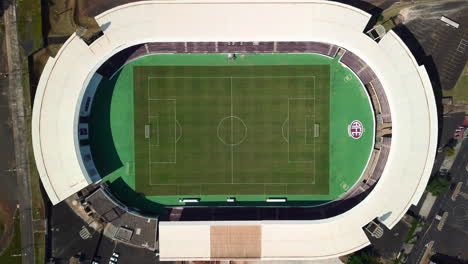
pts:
[282, 131]
[314, 172]
[228, 183]
[180, 129]
[230, 77]
[234, 77]
[289, 131]
[219, 126]
[306, 118]
[175, 133]
[156, 117]
[149, 140]
[157, 124]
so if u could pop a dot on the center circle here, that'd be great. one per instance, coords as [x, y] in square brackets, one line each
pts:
[232, 130]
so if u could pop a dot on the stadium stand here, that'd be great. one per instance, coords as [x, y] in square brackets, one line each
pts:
[119, 60]
[125, 56]
[312, 47]
[166, 47]
[373, 86]
[201, 47]
[240, 47]
[371, 82]
[383, 102]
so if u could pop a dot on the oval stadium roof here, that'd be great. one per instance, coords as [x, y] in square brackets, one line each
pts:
[406, 84]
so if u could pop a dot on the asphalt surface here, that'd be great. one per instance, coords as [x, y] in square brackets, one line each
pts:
[21, 166]
[64, 230]
[447, 46]
[8, 188]
[453, 238]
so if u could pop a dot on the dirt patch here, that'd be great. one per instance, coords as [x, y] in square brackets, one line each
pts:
[7, 220]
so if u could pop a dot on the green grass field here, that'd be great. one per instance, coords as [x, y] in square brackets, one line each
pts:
[232, 130]
[246, 155]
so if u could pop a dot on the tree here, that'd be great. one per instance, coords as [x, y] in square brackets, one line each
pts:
[365, 256]
[437, 186]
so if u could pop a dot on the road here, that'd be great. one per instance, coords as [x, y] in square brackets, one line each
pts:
[15, 94]
[8, 188]
[451, 233]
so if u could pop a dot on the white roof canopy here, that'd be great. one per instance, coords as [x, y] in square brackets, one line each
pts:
[406, 84]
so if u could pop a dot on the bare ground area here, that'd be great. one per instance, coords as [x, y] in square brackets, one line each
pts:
[7, 220]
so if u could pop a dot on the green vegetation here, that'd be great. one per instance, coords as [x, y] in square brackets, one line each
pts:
[414, 224]
[460, 92]
[39, 247]
[37, 201]
[112, 131]
[232, 130]
[449, 151]
[12, 254]
[30, 25]
[362, 257]
[438, 185]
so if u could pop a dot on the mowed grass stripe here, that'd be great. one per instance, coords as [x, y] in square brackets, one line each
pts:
[231, 129]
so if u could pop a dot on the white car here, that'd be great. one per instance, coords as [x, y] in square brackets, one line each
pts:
[115, 255]
[113, 259]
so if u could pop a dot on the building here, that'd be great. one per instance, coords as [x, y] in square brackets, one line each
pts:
[397, 85]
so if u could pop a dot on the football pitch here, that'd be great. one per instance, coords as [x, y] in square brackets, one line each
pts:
[247, 130]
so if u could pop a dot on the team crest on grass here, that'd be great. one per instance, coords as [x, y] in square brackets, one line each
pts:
[355, 129]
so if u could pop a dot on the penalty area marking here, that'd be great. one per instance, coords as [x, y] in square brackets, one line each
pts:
[289, 130]
[175, 130]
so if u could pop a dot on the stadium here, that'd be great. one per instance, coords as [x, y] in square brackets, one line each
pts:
[237, 130]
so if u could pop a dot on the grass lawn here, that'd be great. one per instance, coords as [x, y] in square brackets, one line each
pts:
[249, 154]
[30, 25]
[12, 254]
[39, 247]
[232, 130]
